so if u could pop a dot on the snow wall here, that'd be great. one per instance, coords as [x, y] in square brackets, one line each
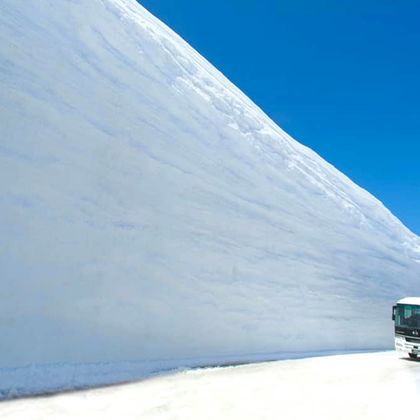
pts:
[152, 213]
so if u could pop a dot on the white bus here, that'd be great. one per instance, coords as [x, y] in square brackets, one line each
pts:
[406, 316]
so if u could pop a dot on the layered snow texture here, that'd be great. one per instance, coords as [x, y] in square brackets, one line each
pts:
[150, 211]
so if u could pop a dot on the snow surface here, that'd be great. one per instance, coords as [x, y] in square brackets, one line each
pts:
[376, 386]
[49, 379]
[151, 212]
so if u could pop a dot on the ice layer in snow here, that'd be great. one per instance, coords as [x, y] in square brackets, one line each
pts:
[150, 211]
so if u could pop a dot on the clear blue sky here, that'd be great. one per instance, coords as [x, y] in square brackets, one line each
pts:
[342, 77]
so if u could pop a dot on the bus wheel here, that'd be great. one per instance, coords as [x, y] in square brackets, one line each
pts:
[412, 355]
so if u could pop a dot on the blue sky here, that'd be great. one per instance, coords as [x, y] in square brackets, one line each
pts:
[342, 77]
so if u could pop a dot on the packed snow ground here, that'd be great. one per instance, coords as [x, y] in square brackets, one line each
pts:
[53, 378]
[374, 386]
[150, 211]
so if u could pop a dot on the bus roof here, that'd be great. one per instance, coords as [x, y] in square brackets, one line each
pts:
[409, 301]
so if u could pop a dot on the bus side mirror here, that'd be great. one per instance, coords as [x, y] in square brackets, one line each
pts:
[393, 312]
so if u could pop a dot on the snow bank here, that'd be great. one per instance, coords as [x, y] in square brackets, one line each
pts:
[375, 386]
[53, 378]
[150, 211]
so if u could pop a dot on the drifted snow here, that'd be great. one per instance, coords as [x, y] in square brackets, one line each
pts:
[377, 386]
[151, 212]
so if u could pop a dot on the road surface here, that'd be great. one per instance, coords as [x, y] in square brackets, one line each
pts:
[358, 386]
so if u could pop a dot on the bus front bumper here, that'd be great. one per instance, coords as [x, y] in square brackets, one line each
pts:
[404, 346]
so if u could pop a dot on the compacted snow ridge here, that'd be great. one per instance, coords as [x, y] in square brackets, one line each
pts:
[37, 380]
[376, 386]
[151, 212]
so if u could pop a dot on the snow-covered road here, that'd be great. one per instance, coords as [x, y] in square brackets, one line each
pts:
[358, 386]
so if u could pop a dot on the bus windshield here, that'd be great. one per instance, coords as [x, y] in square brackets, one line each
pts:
[407, 316]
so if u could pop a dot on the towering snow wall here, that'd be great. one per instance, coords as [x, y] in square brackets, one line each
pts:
[150, 211]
